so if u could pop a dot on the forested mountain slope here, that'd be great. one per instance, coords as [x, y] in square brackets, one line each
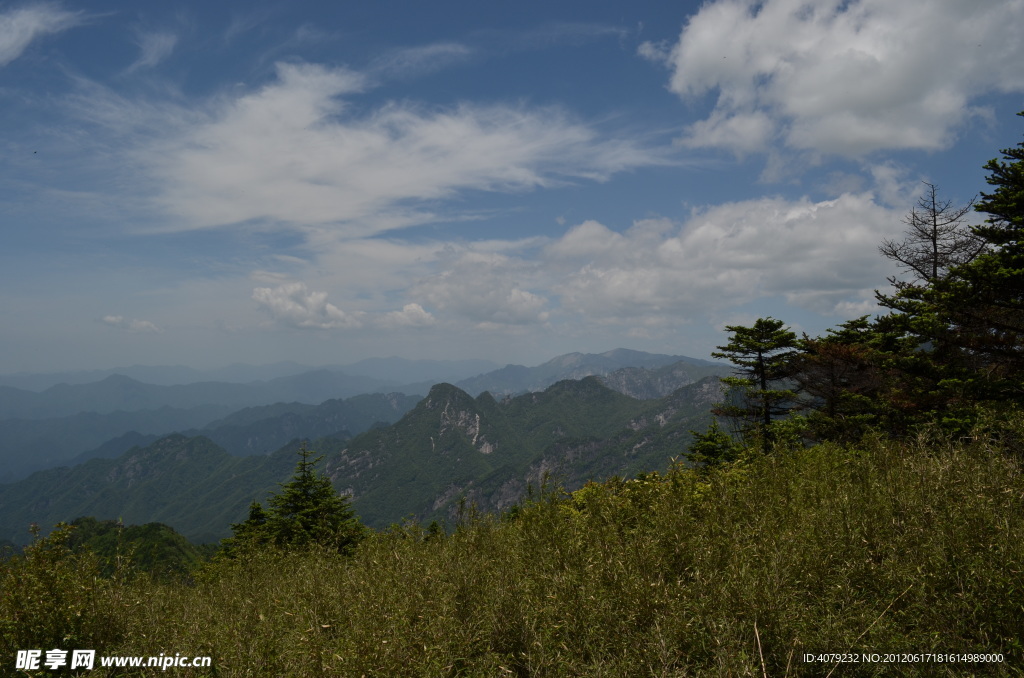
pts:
[449, 446]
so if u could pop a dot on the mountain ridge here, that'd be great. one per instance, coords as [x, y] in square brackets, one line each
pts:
[450, 445]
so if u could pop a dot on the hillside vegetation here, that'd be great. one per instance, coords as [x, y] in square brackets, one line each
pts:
[916, 546]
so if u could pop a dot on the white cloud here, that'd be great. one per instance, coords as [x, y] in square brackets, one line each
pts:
[293, 152]
[658, 52]
[295, 305]
[738, 132]
[153, 48]
[844, 76]
[411, 315]
[589, 239]
[123, 323]
[821, 256]
[19, 27]
[487, 289]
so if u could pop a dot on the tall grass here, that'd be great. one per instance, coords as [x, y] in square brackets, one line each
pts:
[916, 546]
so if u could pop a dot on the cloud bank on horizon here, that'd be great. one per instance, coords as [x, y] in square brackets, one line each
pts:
[206, 185]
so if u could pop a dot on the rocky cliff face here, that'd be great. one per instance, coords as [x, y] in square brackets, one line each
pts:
[648, 441]
[457, 413]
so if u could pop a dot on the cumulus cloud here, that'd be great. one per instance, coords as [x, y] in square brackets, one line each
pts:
[843, 76]
[19, 27]
[411, 315]
[293, 152]
[821, 256]
[131, 325]
[295, 305]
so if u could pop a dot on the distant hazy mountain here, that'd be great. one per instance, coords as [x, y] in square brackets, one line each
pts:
[450, 445]
[393, 370]
[120, 393]
[160, 375]
[514, 379]
[28, 445]
[403, 371]
[261, 430]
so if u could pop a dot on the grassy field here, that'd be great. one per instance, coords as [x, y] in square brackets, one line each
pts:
[884, 547]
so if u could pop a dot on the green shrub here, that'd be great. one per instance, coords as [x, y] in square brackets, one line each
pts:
[54, 597]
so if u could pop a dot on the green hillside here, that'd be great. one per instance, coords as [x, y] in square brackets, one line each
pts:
[188, 483]
[153, 548]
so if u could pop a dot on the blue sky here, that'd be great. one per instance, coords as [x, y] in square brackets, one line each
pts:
[208, 183]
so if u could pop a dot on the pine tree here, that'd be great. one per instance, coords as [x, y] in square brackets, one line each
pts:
[987, 307]
[840, 379]
[763, 355]
[713, 447]
[252, 532]
[978, 310]
[307, 511]
[937, 240]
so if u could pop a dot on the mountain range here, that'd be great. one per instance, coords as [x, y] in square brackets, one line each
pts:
[449, 448]
[70, 422]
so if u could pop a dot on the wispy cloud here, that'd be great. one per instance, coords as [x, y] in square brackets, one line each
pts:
[153, 48]
[486, 288]
[418, 61]
[293, 152]
[19, 27]
[820, 256]
[245, 22]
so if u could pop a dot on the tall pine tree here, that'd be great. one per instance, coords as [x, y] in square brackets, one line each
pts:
[979, 307]
[763, 356]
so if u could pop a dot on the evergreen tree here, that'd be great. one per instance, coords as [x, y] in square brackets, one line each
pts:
[763, 355]
[985, 304]
[956, 336]
[252, 531]
[713, 447]
[307, 511]
[969, 322]
[937, 240]
[839, 375]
